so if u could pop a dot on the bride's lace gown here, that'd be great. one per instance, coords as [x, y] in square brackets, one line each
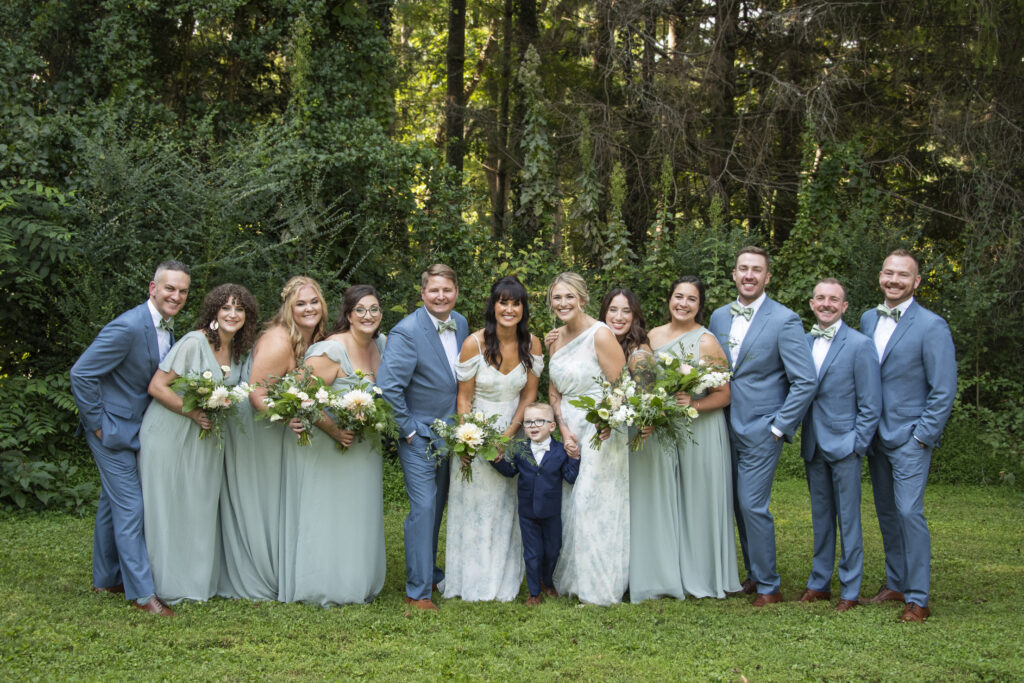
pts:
[483, 545]
[594, 563]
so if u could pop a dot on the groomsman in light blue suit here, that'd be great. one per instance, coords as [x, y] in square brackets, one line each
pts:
[918, 365]
[773, 382]
[417, 376]
[110, 383]
[837, 431]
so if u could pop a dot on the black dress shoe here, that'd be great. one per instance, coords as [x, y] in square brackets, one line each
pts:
[119, 588]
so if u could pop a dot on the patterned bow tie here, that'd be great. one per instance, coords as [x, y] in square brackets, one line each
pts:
[166, 325]
[893, 313]
[816, 332]
[739, 309]
[446, 326]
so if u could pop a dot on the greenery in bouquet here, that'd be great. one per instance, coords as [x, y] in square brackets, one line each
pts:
[363, 410]
[473, 435]
[658, 409]
[614, 409]
[298, 394]
[199, 390]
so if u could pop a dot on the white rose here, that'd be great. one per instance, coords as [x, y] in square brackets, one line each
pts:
[321, 395]
[302, 396]
[226, 369]
[207, 375]
[219, 398]
[377, 390]
[275, 418]
[479, 416]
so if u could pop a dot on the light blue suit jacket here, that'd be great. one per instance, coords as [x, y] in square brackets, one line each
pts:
[414, 374]
[918, 377]
[773, 377]
[110, 380]
[844, 414]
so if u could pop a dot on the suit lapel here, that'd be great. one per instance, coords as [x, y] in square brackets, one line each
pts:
[757, 325]
[152, 345]
[433, 339]
[833, 350]
[904, 323]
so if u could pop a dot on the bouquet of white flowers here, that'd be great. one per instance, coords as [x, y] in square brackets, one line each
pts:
[474, 435]
[616, 407]
[364, 411]
[218, 400]
[301, 394]
[676, 374]
[658, 409]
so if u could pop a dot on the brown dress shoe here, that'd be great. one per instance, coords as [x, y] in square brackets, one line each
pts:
[915, 613]
[812, 595]
[548, 591]
[533, 600]
[749, 587]
[155, 606]
[119, 588]
[845, 605]
[763, 599]
[425, 604]
[887, 595]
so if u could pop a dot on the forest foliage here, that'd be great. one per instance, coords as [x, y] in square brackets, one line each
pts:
[360, 140]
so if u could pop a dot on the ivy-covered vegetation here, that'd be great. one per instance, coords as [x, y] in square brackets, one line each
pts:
[632, 142]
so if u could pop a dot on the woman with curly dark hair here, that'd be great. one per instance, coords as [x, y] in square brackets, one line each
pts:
[181, 475]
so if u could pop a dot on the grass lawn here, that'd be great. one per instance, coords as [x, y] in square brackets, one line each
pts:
[53, 627]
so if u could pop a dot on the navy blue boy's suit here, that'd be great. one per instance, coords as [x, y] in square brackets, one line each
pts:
[540, 506]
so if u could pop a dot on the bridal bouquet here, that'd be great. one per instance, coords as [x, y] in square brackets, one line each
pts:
[474, 436]
[675, 374]
[364, 411]
[616, 407]
[216, 399]
[301, 394]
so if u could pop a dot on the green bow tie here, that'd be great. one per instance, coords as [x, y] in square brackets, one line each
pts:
[739, 309]
[446, 326]
[816, 332]
[893, 313]
[166, 325]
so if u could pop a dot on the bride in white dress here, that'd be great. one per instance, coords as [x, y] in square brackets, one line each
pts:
[594, 563]
[498, 371]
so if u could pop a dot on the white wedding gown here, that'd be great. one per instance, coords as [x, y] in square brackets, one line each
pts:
[483, 545]
[594, 562]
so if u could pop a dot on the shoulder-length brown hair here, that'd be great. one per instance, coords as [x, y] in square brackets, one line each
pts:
[212, 302]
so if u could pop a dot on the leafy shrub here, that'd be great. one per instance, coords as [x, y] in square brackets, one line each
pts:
[25, 482]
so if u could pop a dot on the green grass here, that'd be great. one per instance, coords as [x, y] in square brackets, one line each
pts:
[53, 627]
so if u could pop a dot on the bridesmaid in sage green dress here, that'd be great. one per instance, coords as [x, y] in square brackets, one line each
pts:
[707, 547]
[180, 474]
[332, 504]
[250, 501]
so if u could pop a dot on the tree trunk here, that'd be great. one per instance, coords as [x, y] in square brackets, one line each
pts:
[455, 108]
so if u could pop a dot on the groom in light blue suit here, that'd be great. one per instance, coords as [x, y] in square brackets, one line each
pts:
[110, 383]
[773, 382]
[837, 430]
[417, 376]
[918, 365]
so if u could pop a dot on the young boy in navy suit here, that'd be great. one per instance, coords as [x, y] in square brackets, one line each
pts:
[542, 464]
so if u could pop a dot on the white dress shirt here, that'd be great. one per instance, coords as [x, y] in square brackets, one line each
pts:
[448, 342]
[886, 326]
[740, 325]
[821, 346]
[163, 337]
[540, 448]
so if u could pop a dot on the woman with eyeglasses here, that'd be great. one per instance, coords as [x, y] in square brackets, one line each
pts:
[498, 370]
[332, 503]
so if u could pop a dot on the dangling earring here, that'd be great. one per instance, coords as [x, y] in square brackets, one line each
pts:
[214, 325]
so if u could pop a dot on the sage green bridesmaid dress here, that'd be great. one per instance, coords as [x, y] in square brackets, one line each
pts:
[250, 503]
[181, 479]
[332, 511]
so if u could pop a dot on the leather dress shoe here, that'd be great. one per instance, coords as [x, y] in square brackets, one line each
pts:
[914, 613]
[435, 588]
[886, 595]
[533, 600]
[763, 599]
[749, 587]
[548, 590]
[119, 588]
[845, 605]
[155, 606]
[426, 604]
[812, 595]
